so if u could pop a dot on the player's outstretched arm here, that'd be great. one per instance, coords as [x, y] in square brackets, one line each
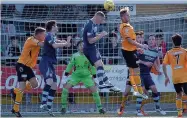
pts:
[98, 37]
[70, 66]
[148, 64]
[137, 44]
[61, 45]
[64, 41]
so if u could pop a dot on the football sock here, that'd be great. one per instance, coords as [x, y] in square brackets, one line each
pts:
[97, 100]
[18, 100]
[64, 97]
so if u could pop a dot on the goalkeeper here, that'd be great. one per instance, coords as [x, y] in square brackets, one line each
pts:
[83, 72]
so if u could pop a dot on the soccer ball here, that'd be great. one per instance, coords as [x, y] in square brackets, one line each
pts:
[109, 5]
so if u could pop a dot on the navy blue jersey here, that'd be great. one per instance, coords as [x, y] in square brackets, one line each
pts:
[49, 53]
[89, 31]
[148, 56]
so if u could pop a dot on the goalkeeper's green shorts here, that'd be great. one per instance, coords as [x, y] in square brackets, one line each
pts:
[86, 80]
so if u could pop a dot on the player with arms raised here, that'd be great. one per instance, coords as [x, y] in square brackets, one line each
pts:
[83, 72]
[91, 52]
[47, 63]
[177, 59]
[129, 50]
[146, 61]
[26, 62]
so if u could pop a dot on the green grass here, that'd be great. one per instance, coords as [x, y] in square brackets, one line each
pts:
[169, 114]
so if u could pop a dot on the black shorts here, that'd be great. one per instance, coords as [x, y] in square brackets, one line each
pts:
[131, 58]
[146, 81]
[24, 72]
[47, 69]
[181, 87]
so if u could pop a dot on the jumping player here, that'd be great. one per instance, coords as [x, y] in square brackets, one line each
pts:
[47, 63]
[177, 59]
[83, 71]
[129, 50]
[26, 62]
[146, 62]
[91, 52]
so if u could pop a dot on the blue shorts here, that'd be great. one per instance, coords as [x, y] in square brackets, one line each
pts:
[47, 70]
[147, 81]
[92, 55]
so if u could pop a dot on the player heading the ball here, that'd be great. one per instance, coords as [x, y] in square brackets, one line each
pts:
[90, 37]
[129, 51]
[26, 62]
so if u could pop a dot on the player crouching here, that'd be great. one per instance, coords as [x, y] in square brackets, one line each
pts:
[24, 66]
[82, 73]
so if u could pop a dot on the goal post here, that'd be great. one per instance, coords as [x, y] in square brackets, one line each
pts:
[20, 20]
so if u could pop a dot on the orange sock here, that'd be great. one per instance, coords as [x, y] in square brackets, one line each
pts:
[18, 100]
[143, 103]
[179, 106]
[28, 86]
[135, 81]
[124, 99]
[184, 101]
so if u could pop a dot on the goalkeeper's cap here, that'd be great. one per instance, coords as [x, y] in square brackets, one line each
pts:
[79, 42]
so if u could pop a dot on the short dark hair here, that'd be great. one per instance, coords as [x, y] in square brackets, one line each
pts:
[139, 33]
[79, 42]
[39, 30]
[177, 39]
[49, 25]
[100, 13]
[124, 11]
[151, 35]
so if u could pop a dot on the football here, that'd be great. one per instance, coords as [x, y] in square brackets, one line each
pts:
[109, 5]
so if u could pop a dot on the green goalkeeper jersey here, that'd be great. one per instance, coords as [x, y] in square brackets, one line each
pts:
[81, 65]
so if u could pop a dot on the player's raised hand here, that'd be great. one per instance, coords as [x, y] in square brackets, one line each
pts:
[167, 81]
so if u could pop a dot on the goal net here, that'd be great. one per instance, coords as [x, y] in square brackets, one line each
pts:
[18, 22]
